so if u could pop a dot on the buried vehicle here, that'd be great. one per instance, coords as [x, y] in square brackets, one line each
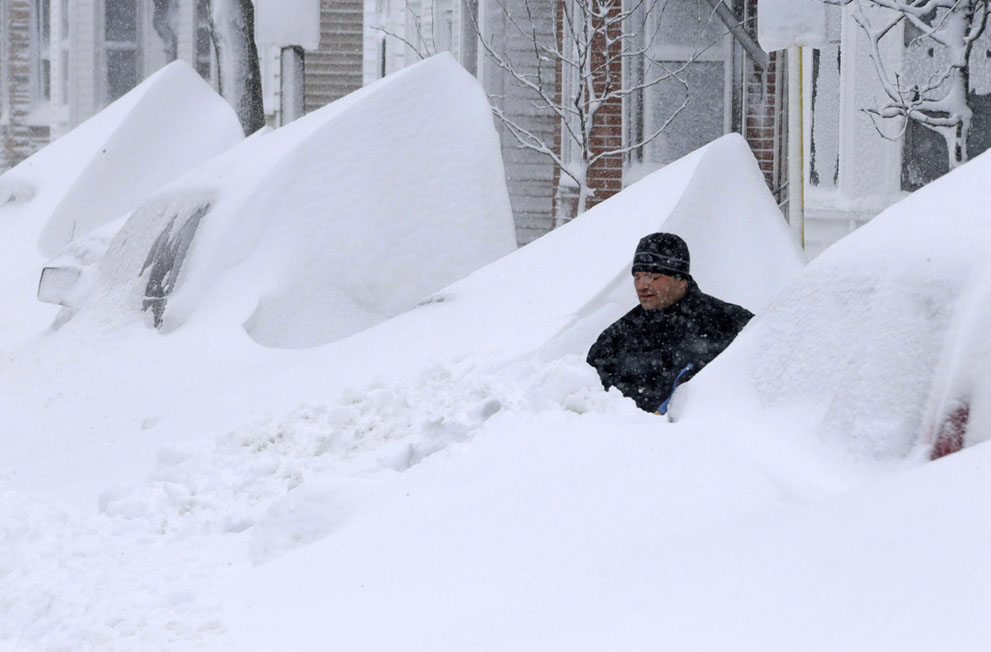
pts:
[879, 347]
[323, 227]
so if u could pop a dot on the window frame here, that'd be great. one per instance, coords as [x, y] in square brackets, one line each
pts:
[119, 46]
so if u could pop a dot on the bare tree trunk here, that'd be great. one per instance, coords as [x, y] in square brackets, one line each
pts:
[956, 136]
[232, 26]
[959, 22]
[164, 21]
[939, 102]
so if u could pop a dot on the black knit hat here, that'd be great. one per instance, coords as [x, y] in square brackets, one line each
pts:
[662, 253]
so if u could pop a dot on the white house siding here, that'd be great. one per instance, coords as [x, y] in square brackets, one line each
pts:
[855, 173]
[88, 91]
[529, 175]
[335, 69]
[847, 191]
[20, 133]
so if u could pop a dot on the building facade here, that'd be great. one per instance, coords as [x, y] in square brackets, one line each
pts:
[25, 79]
[716, 86]
[64, 60]
[854, 162]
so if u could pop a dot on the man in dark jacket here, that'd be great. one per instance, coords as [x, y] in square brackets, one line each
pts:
[674, 332]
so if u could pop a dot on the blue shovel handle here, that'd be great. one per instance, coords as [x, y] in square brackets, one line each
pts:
[677, 380]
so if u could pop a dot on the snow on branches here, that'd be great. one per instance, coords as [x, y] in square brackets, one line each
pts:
[938, 99]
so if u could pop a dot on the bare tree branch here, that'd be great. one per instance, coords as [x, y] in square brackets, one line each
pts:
[940, 103]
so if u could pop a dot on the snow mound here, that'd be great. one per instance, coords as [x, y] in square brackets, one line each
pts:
[94, 582]
[329, 225]
[168, 124]
[573, 282]
[879, 347]
[296, 479]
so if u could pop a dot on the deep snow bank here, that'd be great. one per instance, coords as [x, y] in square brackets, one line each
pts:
[331, 224]
[117, 383]
[448, 464]
[168, 124]
[878, 347]
[570, 284]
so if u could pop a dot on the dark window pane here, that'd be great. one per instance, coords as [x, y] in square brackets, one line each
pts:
[204, 54]
[64, 55]
[924, 154]
[122, 72]
[700, 122]
[121, 24]
[44, 24]
[46, 78]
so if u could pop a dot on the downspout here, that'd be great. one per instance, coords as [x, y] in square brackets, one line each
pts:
[291, 80]
[735, 26]
[796, 148]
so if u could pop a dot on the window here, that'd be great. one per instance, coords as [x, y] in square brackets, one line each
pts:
[924, 152]
[683, 84]
[204, 44]
[42, 35]
[120, 38]
[40, 61]
[824, 154]
[701, 89]
[64, 51]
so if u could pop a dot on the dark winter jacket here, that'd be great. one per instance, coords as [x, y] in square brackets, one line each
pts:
[642, 353]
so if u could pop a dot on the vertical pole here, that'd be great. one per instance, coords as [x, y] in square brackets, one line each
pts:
[469, 36]
[291, 97]
[796, 148]
[4, 65]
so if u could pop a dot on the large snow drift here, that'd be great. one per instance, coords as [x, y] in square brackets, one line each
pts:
[573, 282]
[331, 224]
[167, 125]
[457, 461]
[880, 347]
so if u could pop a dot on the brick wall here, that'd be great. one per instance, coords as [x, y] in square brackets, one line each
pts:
[18, 140]
[605, 176]
[763, 122]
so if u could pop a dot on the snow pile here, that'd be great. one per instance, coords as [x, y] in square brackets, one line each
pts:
[456, 461]
[154, 549]
[251, 477]
[284, 23]
[573, 282]
[878, 349]
[796, 23]
[168, 124]
[329, 225]
[548, 299]
[94, 582]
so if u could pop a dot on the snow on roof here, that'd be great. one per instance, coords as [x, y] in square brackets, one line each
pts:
[792, 23]
[284, 23]
[331, 224]
[165, 126]
[880, 340]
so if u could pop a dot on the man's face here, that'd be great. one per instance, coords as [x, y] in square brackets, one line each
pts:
[658, 291]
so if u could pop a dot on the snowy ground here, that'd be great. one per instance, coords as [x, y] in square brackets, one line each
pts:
[455, 478]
